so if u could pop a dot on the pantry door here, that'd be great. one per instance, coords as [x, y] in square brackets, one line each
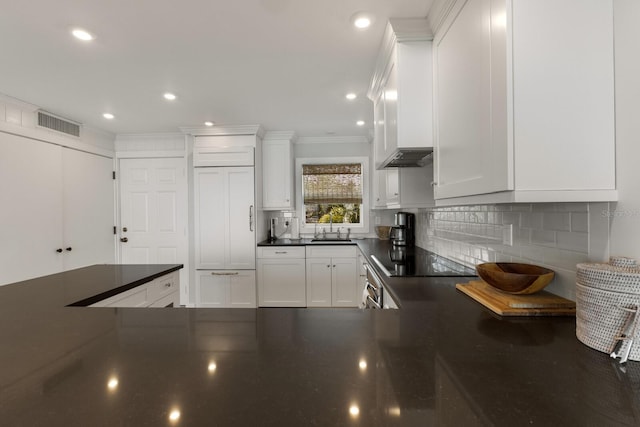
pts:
[153, 213]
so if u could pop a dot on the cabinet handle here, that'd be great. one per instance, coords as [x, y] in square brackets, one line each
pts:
[167, 285]
[334, 266]
[235, 273]
[328, 266]
[251, 218]
[281, 252]
[124, 239]
[59, 250]
[69, 249]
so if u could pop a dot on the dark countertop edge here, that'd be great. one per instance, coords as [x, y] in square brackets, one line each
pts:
[115, 291]
[306, 242]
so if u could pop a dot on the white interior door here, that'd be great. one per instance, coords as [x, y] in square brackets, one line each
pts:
[31, 215]
[153, 213]
[88, 209]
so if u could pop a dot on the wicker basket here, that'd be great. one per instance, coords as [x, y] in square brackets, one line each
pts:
[602, 291]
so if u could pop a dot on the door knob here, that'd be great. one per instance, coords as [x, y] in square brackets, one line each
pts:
[124, 240]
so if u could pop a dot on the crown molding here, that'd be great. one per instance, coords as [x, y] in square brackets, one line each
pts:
[217, 130]
[280, 134]
[398, 30]
[333, 140]
[164, 136]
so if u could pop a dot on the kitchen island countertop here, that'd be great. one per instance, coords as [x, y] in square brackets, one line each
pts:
[442, 359]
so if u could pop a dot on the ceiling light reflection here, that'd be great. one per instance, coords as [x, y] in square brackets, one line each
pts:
[360, 122]
[112, 384]
[351, 96]
[169, 96]
[212, 367]
[174, 415]
[362, 365]
[354, 411]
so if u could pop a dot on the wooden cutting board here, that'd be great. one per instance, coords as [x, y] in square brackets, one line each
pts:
[541, 303]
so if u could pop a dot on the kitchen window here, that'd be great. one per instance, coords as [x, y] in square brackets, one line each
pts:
[333, 189]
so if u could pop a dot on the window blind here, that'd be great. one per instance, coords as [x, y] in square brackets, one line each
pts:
[332, 183]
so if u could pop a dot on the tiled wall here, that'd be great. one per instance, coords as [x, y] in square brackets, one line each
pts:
[555, 235]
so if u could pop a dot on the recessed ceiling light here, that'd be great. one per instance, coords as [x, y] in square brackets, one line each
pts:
[169, 96]
[361, 20]
[360, 122]
[208, 123]
[108, 116]
[82, 35]
[351, 96]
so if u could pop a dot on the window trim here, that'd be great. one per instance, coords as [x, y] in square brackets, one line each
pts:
[364, 215]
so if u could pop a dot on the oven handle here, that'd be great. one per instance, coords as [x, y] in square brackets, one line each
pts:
[374, 276]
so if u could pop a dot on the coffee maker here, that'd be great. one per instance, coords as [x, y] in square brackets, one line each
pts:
[403, 232]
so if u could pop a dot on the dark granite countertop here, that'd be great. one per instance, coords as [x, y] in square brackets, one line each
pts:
[440, 360]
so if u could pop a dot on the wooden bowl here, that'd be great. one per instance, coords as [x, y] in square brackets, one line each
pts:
[515, 278]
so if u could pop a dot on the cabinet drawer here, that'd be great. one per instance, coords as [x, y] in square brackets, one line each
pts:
[281, 252]
[163, 286]
[331, 251]
[169, 300]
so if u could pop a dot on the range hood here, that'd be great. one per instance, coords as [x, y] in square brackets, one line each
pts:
[408, 158]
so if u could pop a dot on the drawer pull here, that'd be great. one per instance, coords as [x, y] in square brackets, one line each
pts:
[281, 252]
[167, 285]
[235, 273]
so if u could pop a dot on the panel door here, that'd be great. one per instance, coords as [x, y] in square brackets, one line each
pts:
[281, 283]
[241, 219]
[31, 215]
[319, 282]
[211, 207]
[153, 211]
[344, 282]
[88, 209]
[392, 186]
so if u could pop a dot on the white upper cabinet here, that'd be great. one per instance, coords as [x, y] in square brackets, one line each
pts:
[401, 89]
[524, 102]
[277, 171]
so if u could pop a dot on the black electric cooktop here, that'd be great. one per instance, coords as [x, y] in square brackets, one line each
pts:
[409, 261]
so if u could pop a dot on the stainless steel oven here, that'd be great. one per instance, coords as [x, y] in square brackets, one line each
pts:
[373, 289]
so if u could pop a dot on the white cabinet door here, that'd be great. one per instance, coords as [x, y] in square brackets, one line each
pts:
[469, 160]
[225, 288]
[225, 218]
[277, 173]
[31, 216]
[240, 219]
[344, 282]
[88, 209]
[319, 279]
[281, 283]
[211, 289]
[392, 186]
[211, 210]
[390, 97]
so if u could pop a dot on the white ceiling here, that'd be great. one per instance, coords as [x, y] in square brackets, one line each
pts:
[285, 64]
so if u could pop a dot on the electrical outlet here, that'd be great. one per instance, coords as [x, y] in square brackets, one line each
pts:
[507, 234]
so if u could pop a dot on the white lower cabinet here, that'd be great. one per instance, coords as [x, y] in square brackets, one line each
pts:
[332, 276]
[281, 277]
[226, 289]
[160, 292]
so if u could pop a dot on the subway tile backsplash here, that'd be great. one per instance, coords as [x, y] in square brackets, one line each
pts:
[554, 235]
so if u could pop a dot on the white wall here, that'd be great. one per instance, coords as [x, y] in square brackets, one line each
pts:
[625, 215]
